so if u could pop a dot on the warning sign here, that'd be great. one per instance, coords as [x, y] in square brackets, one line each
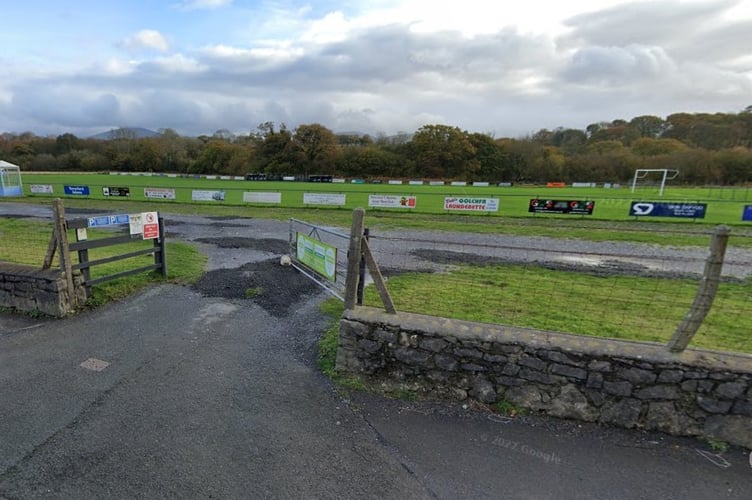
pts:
[151, 225]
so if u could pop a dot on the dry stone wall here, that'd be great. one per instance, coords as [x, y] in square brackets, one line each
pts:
[30, 289]
[628, 384]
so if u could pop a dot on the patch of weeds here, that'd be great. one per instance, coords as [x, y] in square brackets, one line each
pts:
[326, 357]
[508, 409]
[36, 314]
[327, 345]
[351, 382]
[253, 292]
[404, 394]
[717, 445]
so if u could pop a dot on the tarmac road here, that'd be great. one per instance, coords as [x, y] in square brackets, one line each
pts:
[205, 397]
[211, 398]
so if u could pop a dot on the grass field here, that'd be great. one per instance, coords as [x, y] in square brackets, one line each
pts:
[724, 205]
[25, 242]
[425, 293]
[574, 302]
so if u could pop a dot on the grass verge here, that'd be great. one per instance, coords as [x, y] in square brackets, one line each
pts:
[326, 356]
[25, 242]
[621, 307]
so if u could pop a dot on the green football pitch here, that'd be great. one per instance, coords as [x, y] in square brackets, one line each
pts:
[724, 205]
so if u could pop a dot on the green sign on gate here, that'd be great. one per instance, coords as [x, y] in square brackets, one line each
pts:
[317, 255]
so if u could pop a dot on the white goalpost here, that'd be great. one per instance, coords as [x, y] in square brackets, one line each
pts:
[667, 174]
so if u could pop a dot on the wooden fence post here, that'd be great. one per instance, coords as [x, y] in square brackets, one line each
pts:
[706, 291]
[354, 255]
[61, 235]
[160, 243]
[362, 272]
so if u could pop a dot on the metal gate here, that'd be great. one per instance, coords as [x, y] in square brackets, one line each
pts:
[320, 253]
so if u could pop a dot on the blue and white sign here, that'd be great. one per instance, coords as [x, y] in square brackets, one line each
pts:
[747, 213]
[108, 220]
[77, 190]
[656, 209]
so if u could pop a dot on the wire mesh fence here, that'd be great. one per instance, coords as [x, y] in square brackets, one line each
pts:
[611, 289]
[24, 241]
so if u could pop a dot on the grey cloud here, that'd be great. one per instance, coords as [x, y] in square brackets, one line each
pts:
[63, 106]
[679, 27]
[389, 78]
[618, 66]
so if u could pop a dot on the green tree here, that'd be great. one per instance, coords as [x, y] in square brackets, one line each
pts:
[371, 161]
[443, 151]
[66, 143]
[273, 149]
[490, 157]
[645, 146]
[316, 149]
[648, 126]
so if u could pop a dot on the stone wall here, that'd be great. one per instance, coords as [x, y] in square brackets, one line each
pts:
[30, 289]
[628, 384]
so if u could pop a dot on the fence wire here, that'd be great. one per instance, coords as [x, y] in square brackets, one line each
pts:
[24, 241]
[612, 289]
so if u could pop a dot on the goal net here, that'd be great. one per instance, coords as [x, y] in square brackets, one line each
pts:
[653, 179]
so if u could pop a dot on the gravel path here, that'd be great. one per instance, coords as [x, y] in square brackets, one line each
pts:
[244, 254]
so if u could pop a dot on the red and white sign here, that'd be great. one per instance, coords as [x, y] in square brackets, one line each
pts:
[391, 201]
[151, 225]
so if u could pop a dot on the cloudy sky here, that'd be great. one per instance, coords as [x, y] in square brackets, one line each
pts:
[372, 66]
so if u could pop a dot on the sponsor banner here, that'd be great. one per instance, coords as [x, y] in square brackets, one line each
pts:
[116, 191]
[661, 209]
[472, 204]
[338, 180]
[225, 177]
[76, 190]
[747, 213]
[459, 183]
[255, 197]
[40, 189]
[323, 199]
[575, 207]
[480, 184]
[211, 177]
[505, 184]
[238, 178]
[583, 184]
[436, 183]
[317, 255]
[197, 195]
[415, 183]
[159, 193]
[391, 201]
[395, 182]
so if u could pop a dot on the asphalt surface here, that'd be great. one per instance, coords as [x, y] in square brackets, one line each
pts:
[175, 394]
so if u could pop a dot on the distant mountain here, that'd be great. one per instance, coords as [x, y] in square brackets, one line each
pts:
[126, 133]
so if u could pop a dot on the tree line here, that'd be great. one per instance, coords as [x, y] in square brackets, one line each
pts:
[706, 148]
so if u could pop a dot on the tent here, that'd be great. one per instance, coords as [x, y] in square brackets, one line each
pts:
[10, 179]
